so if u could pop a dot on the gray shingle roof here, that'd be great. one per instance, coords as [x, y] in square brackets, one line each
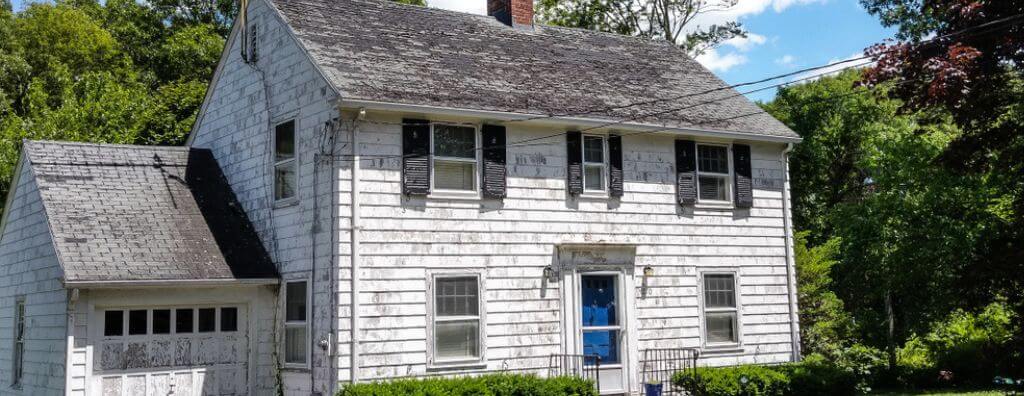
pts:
[383, 51]
[134, 213]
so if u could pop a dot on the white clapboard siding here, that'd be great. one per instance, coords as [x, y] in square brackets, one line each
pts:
[510, 242]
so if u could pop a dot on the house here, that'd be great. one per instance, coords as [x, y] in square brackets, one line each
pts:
[375, 190]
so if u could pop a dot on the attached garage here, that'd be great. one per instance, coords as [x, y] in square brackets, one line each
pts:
[145, 276]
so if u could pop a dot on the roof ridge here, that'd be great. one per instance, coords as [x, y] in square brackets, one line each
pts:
[107, 145]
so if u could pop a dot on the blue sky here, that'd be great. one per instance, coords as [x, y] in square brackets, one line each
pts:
[785, 35]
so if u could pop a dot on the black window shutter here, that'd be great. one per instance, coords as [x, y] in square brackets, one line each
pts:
[493, 185]
[686, 172]
[574, 146]
[415, 156]
[615, 165]
[743, 184]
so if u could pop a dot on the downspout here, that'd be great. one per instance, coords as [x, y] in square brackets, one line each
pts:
[794, 320]
[354, 231]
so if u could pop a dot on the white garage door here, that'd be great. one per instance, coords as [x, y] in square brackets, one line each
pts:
[181, 351]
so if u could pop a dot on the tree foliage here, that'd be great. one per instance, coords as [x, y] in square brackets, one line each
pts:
[670, 20]
[825, 325]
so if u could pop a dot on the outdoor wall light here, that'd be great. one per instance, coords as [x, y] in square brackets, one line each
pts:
[648, 271]
[549, 273]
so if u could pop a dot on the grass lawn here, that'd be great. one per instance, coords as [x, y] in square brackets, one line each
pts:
[945, 393]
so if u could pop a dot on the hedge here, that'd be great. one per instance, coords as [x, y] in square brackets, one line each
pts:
[798, 379]
[486, 385]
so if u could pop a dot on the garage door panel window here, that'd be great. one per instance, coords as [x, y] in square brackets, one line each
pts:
[207, 320]
[161, 321]
[166, 322]
[113, 323]
[296, 327]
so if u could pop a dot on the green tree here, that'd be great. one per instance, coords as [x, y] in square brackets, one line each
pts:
[669, 20]
[825, 326]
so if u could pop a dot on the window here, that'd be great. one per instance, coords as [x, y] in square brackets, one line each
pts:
[18, 363]
[455, 157]
[161, 321]
[456, 324]
[713, 173]
[113, 323]
[593, 163]
[295, 328]
[137, 322]
[183, 320]
[284, 161]
[207, 320]
[721, 324]
[228, 319]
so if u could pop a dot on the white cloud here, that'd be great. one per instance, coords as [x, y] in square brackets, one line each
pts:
[744, 44]
[785, 60]
[716, 62]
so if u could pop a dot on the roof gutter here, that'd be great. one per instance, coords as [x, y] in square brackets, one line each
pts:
[572, 121]
[158, 283]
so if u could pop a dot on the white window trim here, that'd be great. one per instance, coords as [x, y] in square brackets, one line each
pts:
[728, 177]
[476, 161]
[432, 362]
[18, 358]
[285, 324]
[605, 179]
[720, 346]
[294, 161]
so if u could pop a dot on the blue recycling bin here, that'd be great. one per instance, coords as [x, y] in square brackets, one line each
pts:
[652, 389]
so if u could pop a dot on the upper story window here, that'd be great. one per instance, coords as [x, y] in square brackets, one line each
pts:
[713, 173]
[296, 327]
[285, 165]
[721, 315]
[594, 159]
[18, 363]
[454, 157]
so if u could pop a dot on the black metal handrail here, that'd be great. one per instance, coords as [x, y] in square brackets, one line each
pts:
[660, 364]
[581, 366]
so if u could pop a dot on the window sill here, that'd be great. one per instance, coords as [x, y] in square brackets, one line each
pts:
[457, 365]
[729, 349]
[594, 195]
[295, 368]
[455, 195]
[285, 203]
[715, 205]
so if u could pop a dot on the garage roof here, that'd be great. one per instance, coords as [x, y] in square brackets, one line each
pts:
[144, 213]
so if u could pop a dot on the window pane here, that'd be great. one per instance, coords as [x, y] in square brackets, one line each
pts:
[457, 296]
[598, 300]
[137, 322]
[295, 344]
[713, 159]
[284, 141]
[593, 149]
[719, 291]
[229, 319]
[721, 327]
[712, 188]
[295, 306]
[457, 339]
[207, 320]
[593, 178]
[161, 321]
[113, 323]
[284, 180]
[20, 321]
[603, 343]
[454, 175]
[183, 320]
[454, 141]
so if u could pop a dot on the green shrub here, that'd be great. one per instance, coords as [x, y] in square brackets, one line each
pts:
[727, 381]
[486, 385]
[816, 375]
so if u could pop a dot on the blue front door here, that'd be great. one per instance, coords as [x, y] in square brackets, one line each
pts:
[601, 328]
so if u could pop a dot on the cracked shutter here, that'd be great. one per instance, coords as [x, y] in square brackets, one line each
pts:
[574, 147]
[686, 172]
[742, 181]
[493, 185]
[415, 156]
[615, 165]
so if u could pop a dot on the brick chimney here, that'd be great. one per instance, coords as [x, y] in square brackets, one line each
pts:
[511, 12]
